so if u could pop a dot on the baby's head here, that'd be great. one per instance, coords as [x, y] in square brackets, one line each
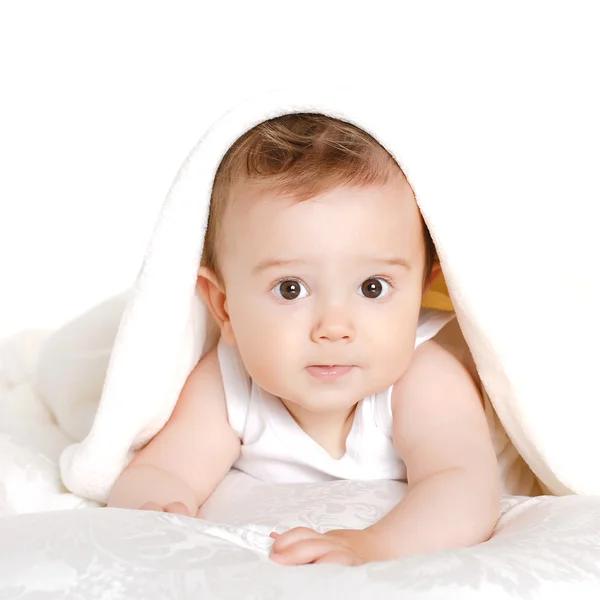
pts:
[316, 254]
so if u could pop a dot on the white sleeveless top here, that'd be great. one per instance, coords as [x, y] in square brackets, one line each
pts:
[276, 449]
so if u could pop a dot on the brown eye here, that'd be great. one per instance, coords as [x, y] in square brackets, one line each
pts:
[371, 288]
[289, 289]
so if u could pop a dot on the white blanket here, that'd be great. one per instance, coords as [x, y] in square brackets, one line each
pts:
[516, 261]
[31, 440]
[544, 548]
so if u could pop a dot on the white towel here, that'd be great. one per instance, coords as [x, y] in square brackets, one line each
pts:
[514, 234]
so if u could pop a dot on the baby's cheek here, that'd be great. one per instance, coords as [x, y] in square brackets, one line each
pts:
[269, 353]
[396, 349]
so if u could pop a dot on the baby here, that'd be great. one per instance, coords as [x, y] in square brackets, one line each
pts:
[315, 263]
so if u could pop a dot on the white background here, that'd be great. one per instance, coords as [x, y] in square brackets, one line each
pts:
[101, 102]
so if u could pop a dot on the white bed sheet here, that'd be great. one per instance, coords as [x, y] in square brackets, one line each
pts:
[54, 544]
[544, 547]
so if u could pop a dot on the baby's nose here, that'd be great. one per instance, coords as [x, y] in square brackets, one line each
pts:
[333, 329]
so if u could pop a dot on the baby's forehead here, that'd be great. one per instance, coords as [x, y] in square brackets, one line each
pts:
[376, 219]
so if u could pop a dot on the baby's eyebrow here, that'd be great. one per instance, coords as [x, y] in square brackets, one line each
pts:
[270, 263]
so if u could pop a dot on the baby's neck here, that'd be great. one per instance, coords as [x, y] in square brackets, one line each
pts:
[329, 430]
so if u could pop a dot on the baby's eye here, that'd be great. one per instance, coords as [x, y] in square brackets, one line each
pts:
[372, 287]
[290, 289]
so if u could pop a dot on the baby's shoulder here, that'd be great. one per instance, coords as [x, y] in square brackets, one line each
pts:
[431, 355]
[432, 366]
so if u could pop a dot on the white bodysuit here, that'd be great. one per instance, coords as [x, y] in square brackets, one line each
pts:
[276, 449]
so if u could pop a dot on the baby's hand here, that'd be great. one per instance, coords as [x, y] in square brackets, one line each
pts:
[177, 508]
[300, 546]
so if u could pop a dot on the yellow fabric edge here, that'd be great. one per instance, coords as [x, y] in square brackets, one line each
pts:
[437, 296]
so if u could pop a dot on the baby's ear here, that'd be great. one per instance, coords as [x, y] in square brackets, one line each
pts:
[436, 271]
[212, 293]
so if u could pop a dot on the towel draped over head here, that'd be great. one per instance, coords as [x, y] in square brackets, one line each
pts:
[515, 246]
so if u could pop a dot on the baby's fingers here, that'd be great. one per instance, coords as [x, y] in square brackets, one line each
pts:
[178, 508]
[340, 557]
[292, 536]
[304, 552]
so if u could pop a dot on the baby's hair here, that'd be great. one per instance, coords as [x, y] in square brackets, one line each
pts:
[299, 155]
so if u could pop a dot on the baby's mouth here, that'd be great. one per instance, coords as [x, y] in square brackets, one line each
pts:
[329, 372]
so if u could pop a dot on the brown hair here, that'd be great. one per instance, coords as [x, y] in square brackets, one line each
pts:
[300, 155]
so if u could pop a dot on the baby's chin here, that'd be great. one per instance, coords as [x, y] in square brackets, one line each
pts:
[325, 397]
[330, 406]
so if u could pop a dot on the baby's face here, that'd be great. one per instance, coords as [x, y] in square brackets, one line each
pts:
[340, 302]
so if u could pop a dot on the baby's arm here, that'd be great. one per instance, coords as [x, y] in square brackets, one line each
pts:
[441, 433]
[453, 498]
[193, 452]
